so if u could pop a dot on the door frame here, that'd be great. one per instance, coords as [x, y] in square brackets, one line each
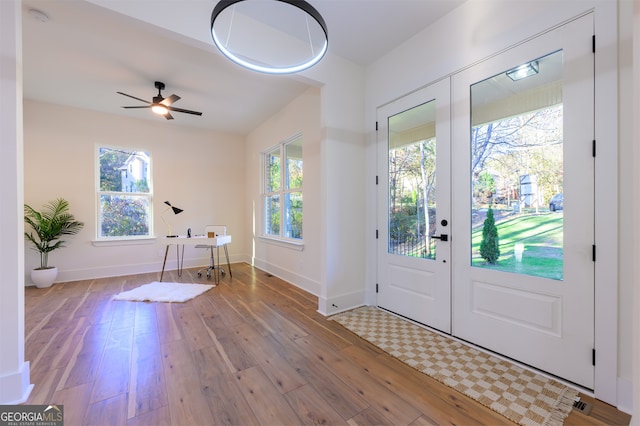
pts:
[606, 207]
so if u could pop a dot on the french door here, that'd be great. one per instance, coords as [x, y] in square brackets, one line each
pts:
[414, 254]
[500, 254]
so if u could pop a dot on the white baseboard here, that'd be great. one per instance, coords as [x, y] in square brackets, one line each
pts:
[289, 276]
[15, 388]
[140, 268]
[344, 302]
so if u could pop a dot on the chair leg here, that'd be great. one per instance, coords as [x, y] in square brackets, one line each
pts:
[211, 263]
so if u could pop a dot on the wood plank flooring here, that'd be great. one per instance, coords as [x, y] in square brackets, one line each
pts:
[252, 351]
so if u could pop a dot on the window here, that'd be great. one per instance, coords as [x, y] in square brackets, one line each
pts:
[124, 193]
[283, 190]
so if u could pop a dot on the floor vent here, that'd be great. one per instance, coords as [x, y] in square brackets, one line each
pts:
[583, 407]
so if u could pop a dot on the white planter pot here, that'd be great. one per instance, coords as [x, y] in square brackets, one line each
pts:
[43, 278]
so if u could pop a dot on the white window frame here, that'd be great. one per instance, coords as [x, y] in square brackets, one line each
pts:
[123, 239]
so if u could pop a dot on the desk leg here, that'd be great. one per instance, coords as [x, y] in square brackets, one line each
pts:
[226, 253]
[164, 262]
[180, 260]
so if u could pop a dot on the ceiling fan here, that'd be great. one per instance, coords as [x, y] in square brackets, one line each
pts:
[161, 105]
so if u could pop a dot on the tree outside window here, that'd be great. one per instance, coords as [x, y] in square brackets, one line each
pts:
[124, 194]
[283, 190]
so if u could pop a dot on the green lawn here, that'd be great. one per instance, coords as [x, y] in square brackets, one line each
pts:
[541, 234]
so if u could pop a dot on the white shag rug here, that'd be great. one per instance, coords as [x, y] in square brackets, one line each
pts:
[163, 292]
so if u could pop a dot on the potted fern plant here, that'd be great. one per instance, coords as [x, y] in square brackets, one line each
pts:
[48, 226]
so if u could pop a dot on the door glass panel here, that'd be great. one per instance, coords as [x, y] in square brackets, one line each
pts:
[517, 170]
[412, 181]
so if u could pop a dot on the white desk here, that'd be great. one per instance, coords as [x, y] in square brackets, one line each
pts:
[217, 242]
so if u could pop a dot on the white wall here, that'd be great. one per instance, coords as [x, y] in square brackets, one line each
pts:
[627, 255]
[479, 29]
[298, 265]
[198, 171]
[344, 185]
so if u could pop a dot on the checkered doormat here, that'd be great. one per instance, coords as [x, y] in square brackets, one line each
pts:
[520, 395]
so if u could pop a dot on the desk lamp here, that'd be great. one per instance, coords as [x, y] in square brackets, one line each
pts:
[175, 211]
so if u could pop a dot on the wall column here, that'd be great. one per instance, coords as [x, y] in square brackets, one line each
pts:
[15, 384]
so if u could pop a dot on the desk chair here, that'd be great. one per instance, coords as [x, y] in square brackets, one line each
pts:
[210, 232]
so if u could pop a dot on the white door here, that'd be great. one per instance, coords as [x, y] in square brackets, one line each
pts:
[523, 153]
[413, 214]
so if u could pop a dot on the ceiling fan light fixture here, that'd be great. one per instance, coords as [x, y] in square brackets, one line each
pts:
[273, 37]
[159, 109]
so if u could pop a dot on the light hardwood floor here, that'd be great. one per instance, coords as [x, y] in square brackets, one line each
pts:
[254, 350]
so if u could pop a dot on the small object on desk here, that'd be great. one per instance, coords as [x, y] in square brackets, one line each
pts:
[173, 236]
[189, 233]
[211, 234]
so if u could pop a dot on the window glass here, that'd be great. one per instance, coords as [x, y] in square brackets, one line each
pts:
[412, 182]
[272, 215]
[293, 154]
[293, 214]
[273, 178]
[124, 193]
[517, 170]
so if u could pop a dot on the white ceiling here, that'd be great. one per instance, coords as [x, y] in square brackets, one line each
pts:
[84, 53]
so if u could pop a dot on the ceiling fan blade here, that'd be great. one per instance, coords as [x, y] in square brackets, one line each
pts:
[145, 106]
[184, 110]
[138, 99]
[171, 99]
[168, 116]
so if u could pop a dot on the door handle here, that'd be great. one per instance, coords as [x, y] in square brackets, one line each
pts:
[441, 237]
